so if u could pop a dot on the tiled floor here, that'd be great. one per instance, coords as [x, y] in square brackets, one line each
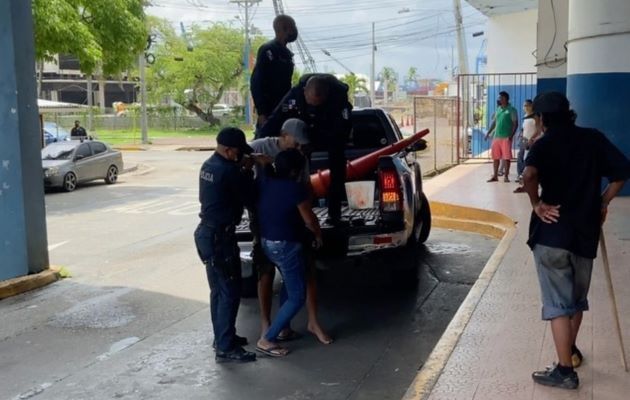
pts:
[505, 340]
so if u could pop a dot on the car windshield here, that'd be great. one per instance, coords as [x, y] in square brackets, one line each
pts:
[58, 151]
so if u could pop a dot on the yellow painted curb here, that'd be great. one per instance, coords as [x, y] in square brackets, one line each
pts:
[12, 287]
[129, 148]
[471, 220]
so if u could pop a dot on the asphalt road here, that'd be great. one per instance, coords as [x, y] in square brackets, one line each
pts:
[132, 321]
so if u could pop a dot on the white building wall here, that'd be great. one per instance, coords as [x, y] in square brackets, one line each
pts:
[553, 31]
[511, 42]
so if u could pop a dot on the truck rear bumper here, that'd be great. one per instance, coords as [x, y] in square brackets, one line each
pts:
[363, 244]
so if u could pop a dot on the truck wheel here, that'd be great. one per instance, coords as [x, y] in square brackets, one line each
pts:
[425, 217]
[421, 223]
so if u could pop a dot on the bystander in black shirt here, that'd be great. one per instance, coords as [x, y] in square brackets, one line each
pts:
[271, 78]
[571, 163]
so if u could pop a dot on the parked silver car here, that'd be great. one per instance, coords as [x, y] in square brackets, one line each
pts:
[69, 163]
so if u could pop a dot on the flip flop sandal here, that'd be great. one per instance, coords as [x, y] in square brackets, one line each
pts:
[292, 335]
[274, 351]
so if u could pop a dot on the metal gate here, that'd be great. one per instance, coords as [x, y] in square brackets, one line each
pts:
[439, 114]
[478, 94]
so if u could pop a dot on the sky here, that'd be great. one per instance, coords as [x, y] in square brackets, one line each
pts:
[418, 33]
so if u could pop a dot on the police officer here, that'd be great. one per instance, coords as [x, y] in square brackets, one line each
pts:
[321, 101]
[224, 187]
[271, 78]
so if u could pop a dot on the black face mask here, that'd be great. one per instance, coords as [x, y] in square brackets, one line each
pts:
[292, 37]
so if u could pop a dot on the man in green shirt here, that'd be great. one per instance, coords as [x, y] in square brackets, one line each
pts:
[503, 128]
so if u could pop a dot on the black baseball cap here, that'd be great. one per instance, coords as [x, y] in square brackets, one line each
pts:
[551, 102]
[234, 137]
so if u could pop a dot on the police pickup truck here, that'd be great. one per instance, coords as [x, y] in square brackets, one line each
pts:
[400, 216]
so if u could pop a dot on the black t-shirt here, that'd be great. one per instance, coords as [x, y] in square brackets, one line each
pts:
[78, 131]
[278, 208]
[571, 164]
[271, 78]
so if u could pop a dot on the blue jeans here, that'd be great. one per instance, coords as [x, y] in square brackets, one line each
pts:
[219, 252]
[289, 258]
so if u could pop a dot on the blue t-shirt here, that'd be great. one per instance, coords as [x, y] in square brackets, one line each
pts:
[278, 212]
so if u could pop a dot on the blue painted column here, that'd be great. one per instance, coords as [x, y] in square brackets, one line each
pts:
[598, 72]
[23, 243]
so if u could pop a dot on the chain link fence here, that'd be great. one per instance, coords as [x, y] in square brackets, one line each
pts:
[439, 114]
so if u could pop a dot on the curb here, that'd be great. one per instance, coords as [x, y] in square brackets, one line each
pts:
[130, 148]
[196, 148]
[22, 284]
[475, 220]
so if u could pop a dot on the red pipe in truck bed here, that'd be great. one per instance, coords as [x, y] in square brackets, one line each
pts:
[362, 166]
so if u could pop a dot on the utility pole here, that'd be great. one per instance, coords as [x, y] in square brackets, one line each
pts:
[372, 74]
[143, 99]
[90, 103]
[462, 52]
[246, 4]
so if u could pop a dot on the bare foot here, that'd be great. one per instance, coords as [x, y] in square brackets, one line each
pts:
[322, 336]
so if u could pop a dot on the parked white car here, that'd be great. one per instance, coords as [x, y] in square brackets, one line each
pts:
[219, 110]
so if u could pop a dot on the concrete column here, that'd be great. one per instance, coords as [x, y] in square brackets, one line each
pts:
[23, 243]
[598, 71]
[551, 55]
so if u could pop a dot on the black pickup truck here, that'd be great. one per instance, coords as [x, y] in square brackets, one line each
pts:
[401, 215]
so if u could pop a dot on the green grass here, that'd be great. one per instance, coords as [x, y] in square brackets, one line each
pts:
[121, 137]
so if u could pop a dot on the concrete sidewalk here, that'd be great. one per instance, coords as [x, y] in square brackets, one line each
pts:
[498, 339]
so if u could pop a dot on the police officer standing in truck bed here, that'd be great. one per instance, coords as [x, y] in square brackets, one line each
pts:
[271, 78]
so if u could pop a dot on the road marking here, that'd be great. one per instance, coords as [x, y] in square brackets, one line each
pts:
[54, 246]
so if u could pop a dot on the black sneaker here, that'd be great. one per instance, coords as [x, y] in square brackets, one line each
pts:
[553, 377]
[576, 357]
[237, 355]
[239, 341]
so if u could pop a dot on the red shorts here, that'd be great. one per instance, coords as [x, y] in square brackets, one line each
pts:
[501, 149]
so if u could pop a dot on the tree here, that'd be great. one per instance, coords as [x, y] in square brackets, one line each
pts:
[412, 74]
[355, 85]
[109, 32]
[389, 74]
[196, 79]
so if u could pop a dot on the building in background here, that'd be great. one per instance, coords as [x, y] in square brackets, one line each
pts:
[578, 47]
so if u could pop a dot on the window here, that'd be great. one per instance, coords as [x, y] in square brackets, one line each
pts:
[83, 150]
[368, 132]
[98, 148]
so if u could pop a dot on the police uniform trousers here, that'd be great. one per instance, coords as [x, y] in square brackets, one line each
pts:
[218, 249]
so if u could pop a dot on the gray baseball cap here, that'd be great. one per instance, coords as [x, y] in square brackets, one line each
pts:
[296, 128]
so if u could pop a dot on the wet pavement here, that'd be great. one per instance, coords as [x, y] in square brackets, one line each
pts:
[132, 322]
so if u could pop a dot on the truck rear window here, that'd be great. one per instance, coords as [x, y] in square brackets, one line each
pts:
[367, 132]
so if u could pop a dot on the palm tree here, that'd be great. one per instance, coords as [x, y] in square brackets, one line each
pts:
[355, 84]
[412, 74]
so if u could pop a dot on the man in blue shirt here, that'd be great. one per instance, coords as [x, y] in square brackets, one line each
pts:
[568, 163]
[224, 188]
[321, 101]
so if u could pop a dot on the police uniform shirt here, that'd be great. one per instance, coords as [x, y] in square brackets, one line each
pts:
[271, 78]
[327, 122]
[223, 190]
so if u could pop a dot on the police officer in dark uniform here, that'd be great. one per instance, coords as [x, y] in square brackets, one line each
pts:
[224, 187]
[321, 101]
[271, 78]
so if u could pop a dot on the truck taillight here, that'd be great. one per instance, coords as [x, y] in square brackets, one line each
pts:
[390, 191]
